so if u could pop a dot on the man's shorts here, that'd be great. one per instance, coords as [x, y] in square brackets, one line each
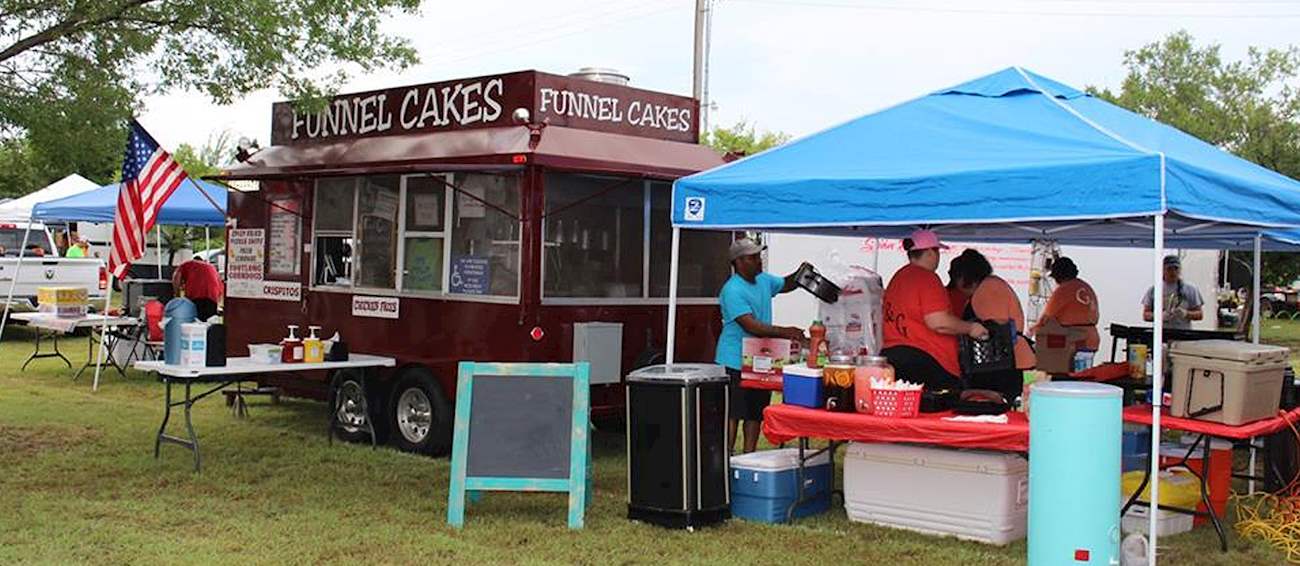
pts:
[746, 404]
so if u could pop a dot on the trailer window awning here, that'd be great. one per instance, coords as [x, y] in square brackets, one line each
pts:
[481, 149]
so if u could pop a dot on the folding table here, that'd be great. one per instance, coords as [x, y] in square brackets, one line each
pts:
[782, 423]
[63, 325]
[235, 371]
[1141, 414]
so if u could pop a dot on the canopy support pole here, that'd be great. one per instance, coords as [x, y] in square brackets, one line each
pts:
[875, 256]
[207, 238]
[1257, 291]
[670, 349]
[1157, 376]
[103, 332]
[18, 270]
[157, 230]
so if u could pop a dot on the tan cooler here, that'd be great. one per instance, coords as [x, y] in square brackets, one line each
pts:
[1225, 381]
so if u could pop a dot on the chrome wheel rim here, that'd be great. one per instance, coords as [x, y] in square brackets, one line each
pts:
[414, 415]
[352, 407]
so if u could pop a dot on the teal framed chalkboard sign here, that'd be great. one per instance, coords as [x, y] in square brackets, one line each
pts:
[521, 427]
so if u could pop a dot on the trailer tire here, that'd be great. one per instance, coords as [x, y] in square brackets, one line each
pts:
[347, 383]
[420, 414]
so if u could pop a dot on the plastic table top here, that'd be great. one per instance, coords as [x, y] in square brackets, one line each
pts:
[243, 366]
[1141, 414]
[782, 423]
[66, 324]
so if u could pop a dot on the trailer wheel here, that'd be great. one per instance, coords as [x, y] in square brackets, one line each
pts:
[345, 394]
[420, 413]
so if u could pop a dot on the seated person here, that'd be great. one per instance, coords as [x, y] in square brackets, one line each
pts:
[920, 331]
[1073, 304]
[992, 298]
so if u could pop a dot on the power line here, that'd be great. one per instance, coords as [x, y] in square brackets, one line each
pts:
[1006, 12]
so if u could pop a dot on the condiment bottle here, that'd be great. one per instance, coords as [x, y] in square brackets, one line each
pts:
[816, 341]
[292, 347]
[313, 350]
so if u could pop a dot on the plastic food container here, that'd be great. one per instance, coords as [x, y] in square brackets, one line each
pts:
[896, 403]
[265, 353]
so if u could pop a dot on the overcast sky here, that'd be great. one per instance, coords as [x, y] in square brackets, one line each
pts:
[796, 66]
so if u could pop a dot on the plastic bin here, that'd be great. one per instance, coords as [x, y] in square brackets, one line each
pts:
[765, 484]
[802, 385]
[1167, 522]
[1225, 381]
[970, 494]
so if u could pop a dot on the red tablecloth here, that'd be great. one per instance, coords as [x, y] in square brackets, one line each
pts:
[1141, 414]
[782, 423]
[1103, 372]
[760, 384]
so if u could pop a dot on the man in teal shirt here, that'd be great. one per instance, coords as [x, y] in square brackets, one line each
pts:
[746, 304]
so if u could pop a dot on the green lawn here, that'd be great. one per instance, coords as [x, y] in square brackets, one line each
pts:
[79, 484]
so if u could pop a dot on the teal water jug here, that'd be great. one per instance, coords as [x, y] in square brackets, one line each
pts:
[177, 312]
[1075, 436]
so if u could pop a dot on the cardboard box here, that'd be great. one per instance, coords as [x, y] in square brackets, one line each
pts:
[67, 302]
[763, 358]
[1056, 345]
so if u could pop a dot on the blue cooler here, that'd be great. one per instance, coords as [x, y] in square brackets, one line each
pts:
[1136, 446]
[802, 385]
[765, 484]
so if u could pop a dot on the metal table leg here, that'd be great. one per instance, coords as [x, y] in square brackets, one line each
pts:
[191, 440]
[36, 354]
[109, 341]
[801, 497]
[1201, 477]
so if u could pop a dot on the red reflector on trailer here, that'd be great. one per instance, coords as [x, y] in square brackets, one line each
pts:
[1081, 555]
[519, 159]
[537, 334]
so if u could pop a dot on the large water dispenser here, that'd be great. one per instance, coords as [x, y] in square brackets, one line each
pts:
[177, 312]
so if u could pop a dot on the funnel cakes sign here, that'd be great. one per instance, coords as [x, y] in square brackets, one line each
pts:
[493, 101]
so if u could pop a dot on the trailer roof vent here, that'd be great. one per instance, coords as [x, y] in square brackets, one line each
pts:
[602, 75]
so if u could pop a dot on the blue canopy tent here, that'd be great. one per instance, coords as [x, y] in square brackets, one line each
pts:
[1010, 157]
[194, 203]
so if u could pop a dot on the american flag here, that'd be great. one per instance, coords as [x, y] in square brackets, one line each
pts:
[149, 176]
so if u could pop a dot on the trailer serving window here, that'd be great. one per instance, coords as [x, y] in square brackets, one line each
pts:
[608, 239]
[444, 235]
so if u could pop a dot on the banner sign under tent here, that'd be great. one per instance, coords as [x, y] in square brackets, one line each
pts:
[1009, 157]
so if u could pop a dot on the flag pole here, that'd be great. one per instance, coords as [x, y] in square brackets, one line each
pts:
[103, 332]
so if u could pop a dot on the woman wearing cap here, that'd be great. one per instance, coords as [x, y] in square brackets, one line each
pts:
[1073, 304]
[992, 298]
[920, 331]
[746, 305]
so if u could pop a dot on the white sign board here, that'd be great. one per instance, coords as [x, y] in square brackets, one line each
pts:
[376, 307]
[268, 290]
[246, 258]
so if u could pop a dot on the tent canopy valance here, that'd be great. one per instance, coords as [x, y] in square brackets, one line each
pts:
[187, 206]
[1012, 156]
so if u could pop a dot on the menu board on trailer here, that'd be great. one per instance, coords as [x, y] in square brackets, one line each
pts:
[286, 236]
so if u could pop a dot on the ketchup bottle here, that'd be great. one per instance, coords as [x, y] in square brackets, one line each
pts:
[816, 340]
[292, 347]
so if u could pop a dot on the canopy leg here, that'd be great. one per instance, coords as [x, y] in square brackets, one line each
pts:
[671, 350]
[1157, 376]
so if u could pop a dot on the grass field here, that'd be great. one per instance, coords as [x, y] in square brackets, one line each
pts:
[79, 484]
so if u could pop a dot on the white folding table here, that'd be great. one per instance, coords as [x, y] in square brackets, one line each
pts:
[58, 325]
[235, 371]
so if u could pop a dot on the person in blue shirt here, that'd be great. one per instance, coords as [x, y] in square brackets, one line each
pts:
[746, 304]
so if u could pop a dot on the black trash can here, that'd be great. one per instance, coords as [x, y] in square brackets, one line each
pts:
[677, 445]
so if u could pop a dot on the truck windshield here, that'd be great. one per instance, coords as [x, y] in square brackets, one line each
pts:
[12, 237]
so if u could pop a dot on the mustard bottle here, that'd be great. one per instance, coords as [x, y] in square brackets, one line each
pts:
[313, 348]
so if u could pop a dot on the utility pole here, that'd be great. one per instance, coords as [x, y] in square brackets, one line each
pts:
[700, 67]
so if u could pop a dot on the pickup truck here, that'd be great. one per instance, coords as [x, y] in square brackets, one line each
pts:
[42, 268]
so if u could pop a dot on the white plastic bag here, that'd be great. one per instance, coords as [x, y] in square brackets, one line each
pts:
[854, 323]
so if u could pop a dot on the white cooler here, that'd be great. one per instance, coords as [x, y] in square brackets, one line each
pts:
[970, 494]
[1225, 381]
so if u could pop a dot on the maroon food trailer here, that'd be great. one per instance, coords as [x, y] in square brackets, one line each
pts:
[515, 217]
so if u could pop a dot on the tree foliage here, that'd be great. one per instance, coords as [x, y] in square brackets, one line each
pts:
[742, 139]
[1249, 107]
[72, 71]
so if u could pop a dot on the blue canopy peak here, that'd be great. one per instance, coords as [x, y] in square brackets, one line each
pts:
[1012, 81]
